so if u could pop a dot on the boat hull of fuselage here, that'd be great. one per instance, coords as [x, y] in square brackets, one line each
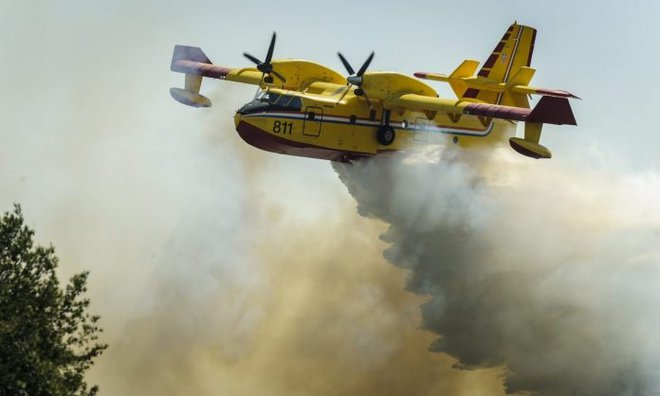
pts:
[260, 139]
[336, 140]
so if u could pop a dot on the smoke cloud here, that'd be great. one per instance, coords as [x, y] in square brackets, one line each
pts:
[220, 269]
[280, 306]
[550, 271]
[264, 286]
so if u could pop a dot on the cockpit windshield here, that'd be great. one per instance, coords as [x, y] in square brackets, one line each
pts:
[267, 100]
[268, 97]
[288, 101]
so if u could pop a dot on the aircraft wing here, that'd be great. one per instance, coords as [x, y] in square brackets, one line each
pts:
[549, 110]
[193, 61]
[517, 87]
[292, 74]
[195, 64]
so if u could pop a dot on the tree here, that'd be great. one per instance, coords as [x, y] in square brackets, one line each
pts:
[47, 338]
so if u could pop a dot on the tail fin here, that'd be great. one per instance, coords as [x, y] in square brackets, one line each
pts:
[512, 53]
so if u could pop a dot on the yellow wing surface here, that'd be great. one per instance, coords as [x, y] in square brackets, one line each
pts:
[549, 110]
[299, 74]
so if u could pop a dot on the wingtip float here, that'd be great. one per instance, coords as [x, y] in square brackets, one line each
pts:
[306, 109]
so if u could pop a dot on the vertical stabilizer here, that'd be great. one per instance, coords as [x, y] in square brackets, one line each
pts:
[512, 53]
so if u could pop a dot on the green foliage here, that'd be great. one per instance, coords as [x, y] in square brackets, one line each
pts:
[47, 338]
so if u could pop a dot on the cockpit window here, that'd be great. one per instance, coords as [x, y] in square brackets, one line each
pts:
[283, 100]
[295, 102]
[269, 97]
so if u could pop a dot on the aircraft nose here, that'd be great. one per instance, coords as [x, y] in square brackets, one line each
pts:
[237, 118]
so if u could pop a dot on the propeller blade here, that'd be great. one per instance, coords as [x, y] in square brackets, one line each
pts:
[278, 75]
[365, 65]
[271, 48]
[252, 58]
[347, 65]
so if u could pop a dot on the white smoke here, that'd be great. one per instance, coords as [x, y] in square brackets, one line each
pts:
[550, 271]
[263, 299]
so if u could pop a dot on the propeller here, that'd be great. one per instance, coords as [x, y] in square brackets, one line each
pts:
[266, 67]
[354, 78]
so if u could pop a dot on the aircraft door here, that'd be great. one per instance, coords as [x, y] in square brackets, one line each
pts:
[313, 121]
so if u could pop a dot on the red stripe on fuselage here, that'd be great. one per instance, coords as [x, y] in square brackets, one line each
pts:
[265, 141]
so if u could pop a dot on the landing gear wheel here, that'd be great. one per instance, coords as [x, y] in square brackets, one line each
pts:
[386, 135]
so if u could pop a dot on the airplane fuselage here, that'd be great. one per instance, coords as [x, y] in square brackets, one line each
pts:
[310, 110]
[288, 122]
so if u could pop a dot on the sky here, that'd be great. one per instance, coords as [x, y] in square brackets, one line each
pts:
[601, 51]
[210, 251]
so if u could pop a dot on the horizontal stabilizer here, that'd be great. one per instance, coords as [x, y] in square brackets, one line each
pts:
[466, 69]
[557, 93]
[523, 77]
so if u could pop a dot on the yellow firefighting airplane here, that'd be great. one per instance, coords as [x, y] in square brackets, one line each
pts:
[303, 108]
